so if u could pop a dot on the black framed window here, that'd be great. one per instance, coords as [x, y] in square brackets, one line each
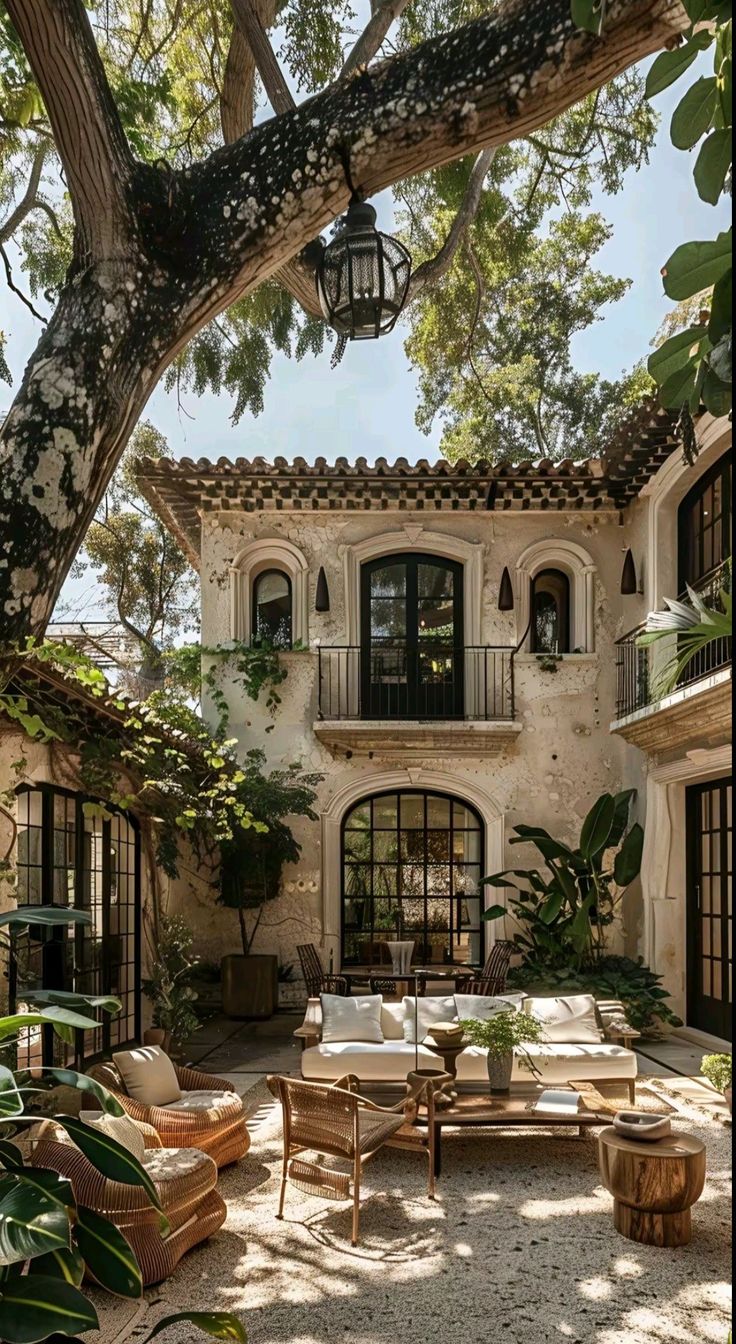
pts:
[69, 855]
[272, 609]
[550, 631]
[705, 525]
[412, 866]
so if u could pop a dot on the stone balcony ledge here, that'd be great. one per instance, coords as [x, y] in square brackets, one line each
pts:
[410, 739]
[699, 713]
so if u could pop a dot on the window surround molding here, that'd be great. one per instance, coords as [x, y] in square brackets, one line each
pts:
[468, 553]
[256, 558]
[357, 789]
[575, 562]
[664, 493]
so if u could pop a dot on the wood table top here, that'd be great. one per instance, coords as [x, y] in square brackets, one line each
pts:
[517, 1108]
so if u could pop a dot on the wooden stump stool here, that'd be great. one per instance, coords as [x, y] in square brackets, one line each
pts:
[654, 1185]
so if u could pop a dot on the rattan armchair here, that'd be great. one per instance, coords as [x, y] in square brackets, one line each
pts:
[185, 1182]
[218, 1129]
[335, 1121]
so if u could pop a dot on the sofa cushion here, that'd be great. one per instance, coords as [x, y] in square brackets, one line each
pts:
[351, 1019]
[204, 1100]
[482, 1007]
[428, 1010]
[164, 1164]
[148, 1075]
[567, 1021]
[388, 1063]
[556, 1063]
[392, 1021]
[119, 1127]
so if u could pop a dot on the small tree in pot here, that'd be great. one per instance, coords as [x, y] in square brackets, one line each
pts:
[169, 986]
[500, 1036]
[252, 862]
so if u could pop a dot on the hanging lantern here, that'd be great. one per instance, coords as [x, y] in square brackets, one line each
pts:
[322, 600]
[362, 276]
[628, 576]
[506, 593]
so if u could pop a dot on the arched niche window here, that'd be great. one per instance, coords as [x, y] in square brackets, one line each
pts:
[272, 609]
[550, 631]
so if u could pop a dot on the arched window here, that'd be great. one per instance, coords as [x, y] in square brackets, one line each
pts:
[412, 865]
[550, 632]
[272, 609]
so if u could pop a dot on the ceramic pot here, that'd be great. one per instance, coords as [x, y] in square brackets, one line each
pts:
[158, 1036]
[499, 1072]
[249, 985]
[642, 1125]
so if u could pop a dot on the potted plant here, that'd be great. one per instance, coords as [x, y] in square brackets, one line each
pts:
[251, 863]
[500, 1036]
[718, 1069]
[169, 986]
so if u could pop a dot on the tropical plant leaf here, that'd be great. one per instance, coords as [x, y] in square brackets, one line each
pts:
[495, 912]
[61, 1019]
[589, 15]
[10, 1156]
[674, 355]
[694, 113]
[216, 1324]
[669, 65]
[108, 1156]
[55, 1186]
[627, 864]
[597, 827]
[713, 163]
[23, 915]
[60, 998]
[698, 265]
[621, 815]
[107, 1253]
[550, 910]
[108, 1103]
[11, 1102]
[64, 1263]
[31, 1221]
[34, 1307]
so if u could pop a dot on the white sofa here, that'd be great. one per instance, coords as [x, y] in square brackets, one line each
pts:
[608, 1060]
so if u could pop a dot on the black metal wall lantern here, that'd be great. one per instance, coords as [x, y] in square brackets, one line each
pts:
[628, 576]
[322, 598]
[362, 276]
[506, 592]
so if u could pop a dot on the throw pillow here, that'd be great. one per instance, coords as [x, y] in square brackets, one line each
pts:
[119, 1127]
[482, 1007]
[428, 1011]
[352, 1019]
[567, 1021]
[149, 1075]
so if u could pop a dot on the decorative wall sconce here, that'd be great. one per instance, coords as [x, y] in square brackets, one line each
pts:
[322, 599]
[628, 575]
[506, 592]
[491, 496]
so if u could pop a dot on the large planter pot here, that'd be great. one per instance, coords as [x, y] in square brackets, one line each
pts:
[250, 985]
[499, 1072]
[158, 1036]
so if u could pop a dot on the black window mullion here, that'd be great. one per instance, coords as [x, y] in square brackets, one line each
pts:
[105, 960]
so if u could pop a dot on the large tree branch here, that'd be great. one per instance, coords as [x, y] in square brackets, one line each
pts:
[372, 36]
[89, 137]
[249, 22]
[433, 270]
[29, 199]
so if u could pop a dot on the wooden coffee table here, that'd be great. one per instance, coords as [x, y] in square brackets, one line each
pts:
[482, 1111]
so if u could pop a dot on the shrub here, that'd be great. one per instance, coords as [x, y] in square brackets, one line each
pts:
[718, 1069]
[612, 977]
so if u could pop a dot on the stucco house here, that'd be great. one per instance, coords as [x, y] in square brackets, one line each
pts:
[459, 642]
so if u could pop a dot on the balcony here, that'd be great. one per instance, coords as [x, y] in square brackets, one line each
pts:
[413, 700]
[698, 710]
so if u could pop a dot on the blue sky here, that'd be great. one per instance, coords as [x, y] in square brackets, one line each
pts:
[366, 406]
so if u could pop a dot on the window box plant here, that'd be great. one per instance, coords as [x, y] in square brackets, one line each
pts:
[501, 1036]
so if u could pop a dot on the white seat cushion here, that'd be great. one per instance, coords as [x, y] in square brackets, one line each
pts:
[392, 1021]
[164, 1164]
[206, 1101]
[556, 1063]
[387, 1063]
[568, 1020]
[148, 1074]
[352, 1019]
[482, 1007]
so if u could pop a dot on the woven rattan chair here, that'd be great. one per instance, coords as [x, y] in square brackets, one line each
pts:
[335, 1121]
[377, 985]
[186, 1184]
[315, 979]
[218, 1129]
[496, 968]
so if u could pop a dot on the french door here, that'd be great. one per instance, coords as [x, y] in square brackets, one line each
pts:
[412, 660]
[709, 907]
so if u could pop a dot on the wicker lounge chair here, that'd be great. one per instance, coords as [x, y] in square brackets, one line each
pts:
[335, 1121]
[186, 1184]
[209, 1116]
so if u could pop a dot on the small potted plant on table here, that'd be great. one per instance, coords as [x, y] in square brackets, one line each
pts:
[718, 1069]
[500, 1036]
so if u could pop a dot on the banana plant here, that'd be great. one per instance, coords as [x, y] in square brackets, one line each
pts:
[690, 627]
[563, 908]
[48, 1241]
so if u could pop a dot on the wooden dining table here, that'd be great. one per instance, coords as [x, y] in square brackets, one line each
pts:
[418, 976]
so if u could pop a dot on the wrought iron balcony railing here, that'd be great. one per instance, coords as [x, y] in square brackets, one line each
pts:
[638, 670]
[427, 682]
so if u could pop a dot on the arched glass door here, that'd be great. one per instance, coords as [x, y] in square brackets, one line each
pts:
[412, 638]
